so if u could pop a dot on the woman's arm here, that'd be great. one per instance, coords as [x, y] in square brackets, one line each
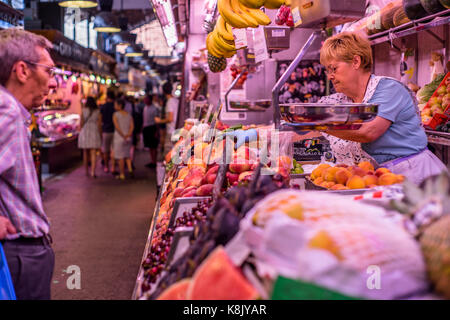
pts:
[369, 131]
[99, 123]
[116, 126]
[168, 119]
[81, 119]
[130, 131]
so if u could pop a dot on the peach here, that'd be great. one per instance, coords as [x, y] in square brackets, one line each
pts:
[357, 171]
[194, 178]
[387, 179]
[342, 175]
[342, 165]
[189, 194]
[213, 169]
[330, 174]
[366, 165]
[205, 190]
[317, 172]
[372, 186]
[324, 184]
[232, 177]
[337, 187]
[380, 171]
[178, 192]
[211, 178]
[330, 184]
[245, 175]
[370, 179]
[356, 182]
[400, 178]
[318, 181]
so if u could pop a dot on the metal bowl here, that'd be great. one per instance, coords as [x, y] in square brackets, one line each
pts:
[320, 115]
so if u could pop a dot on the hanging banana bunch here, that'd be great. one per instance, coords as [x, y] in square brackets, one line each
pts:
[236, 14]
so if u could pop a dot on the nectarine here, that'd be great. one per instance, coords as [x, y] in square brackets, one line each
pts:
[366, 165]
[380, 171]
[387, 179]
[342, 175]
[356, 182]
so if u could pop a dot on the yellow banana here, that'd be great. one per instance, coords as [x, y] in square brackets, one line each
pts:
[273, 4]
[257, 14]
[211, 48]
[223, 30]
[254, 4]
[221, 43]
[235, 5]
[232, 18]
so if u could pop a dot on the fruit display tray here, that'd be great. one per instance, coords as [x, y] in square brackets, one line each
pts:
[311, 116]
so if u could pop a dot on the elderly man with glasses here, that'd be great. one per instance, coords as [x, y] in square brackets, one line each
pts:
[26, 77]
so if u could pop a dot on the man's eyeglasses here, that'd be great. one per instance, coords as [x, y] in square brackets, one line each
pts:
[51, 70]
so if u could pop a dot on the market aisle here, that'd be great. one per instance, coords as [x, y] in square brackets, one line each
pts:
[100, 225]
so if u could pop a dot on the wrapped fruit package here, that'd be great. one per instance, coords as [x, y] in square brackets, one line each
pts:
[335, 242]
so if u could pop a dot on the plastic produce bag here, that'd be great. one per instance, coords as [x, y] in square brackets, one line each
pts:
[335, 242]
[6, 285]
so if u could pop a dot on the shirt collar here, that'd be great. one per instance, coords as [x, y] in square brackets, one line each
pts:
[23, 111]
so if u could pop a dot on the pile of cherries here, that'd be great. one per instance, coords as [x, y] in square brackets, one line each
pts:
[157, 256]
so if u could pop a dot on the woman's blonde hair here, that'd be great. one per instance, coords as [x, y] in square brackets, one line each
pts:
[344, 46]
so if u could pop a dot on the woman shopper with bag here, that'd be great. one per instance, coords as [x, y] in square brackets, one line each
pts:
[90, 135]
[122, 142]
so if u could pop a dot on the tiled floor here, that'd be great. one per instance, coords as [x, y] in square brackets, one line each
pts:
[101, 226]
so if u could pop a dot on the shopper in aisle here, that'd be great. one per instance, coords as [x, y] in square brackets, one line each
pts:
[26, 77]
[171, 112]
[137, 109]
[90, 135]
[123, 124]
[160, 103]
[107, 110]
[395, 138]
[150, 131]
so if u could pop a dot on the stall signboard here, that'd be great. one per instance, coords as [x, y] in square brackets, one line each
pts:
[69, 52]
[10, 17]
[66, 51]
[308, 150]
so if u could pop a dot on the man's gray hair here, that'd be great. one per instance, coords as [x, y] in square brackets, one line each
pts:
[18, 45]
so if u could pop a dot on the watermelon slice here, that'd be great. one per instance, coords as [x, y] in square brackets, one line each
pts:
[177, 291]
[217, 278]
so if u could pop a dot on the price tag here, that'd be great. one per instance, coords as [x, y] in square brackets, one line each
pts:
[278, 33]
[240, 38]
[296, 16]
[259, 41]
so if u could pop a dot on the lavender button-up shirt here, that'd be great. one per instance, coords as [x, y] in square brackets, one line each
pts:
[20, 199]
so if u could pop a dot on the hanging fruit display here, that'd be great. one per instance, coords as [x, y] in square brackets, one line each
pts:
[235, 14]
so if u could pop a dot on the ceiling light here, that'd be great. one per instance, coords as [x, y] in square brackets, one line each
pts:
[106, 22]
[133, 51]
[78, 4]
